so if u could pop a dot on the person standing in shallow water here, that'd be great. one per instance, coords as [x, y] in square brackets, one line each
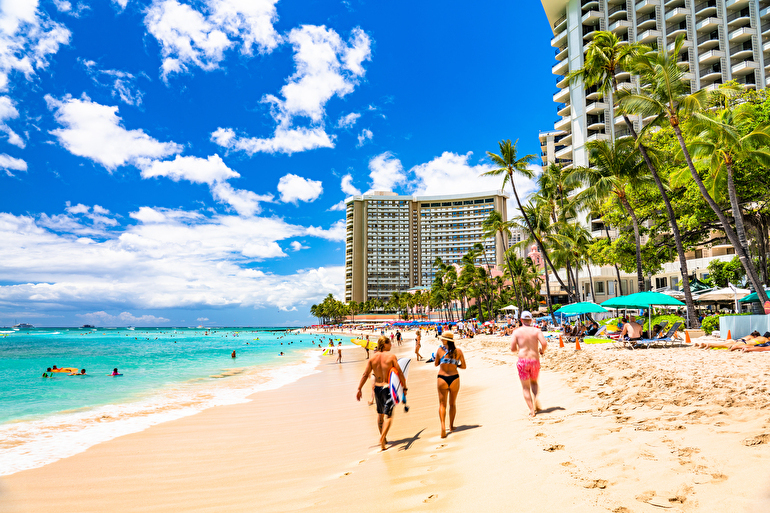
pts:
[448, 360]
[530, 344]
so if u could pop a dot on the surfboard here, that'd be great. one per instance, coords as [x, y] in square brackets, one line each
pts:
[363, 343]
[396, 389]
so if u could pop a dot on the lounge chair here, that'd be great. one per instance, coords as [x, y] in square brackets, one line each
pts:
[668, 338]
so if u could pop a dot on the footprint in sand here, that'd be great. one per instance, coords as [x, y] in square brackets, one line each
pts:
[433, 456]
[555, 447]
[567, 464]
[595, 483]
[441, 446]
[756, 440]
[346, 474]
[362, 462]
[431, 498]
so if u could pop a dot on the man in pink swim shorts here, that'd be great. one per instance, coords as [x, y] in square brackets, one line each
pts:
[530, 344]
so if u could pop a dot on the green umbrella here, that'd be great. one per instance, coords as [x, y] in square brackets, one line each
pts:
[751, 298]
[643, 300]
[580, 308]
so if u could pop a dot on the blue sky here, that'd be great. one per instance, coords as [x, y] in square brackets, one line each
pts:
[173, 162]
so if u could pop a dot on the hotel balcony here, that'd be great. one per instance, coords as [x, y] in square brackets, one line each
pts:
[560, 24]
[595, 122]
[562, 52]
[564, 153]
[686, 44]
[559, 39]
[591, 17]
[648, 36]
[646, 6]
[564, 110]
[589, 5]
[766, 47]
[596, 108]
[561, 68]
[708, 25]
[598, 137]
[710, 73]
[744, 68]
[620, 26]
[735, 4]
[713, 86]
[765, 13]
[742, 34]
[710, 40]
[676, 15]
[562, 95]
[710, 57]
[617, 12]
[706, 8]
[645, 22]
[738, 19]
[565, 123]
[742, 51]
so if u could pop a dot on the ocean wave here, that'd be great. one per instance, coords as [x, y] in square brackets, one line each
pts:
[30, 444]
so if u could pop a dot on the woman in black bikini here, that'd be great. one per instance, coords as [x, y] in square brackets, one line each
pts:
[448, 360]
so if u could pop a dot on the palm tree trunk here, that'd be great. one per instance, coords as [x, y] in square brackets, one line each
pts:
[692, 315]
[736, 206]
[548, 291]
[637, 240]
[591, 281]
[531, 230]
[751, 271]
[609, 238]
[577, 282]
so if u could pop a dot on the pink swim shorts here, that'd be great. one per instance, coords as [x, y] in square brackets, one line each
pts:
[528, 368]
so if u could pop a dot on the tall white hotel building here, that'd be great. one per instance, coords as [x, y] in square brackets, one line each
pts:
[725, 40]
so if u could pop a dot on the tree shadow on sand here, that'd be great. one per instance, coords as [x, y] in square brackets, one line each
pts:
[406, 443]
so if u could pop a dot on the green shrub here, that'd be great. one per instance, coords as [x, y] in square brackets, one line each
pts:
[711, 323]
[657, 319]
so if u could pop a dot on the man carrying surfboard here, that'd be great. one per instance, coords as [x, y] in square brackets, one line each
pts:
[381, 364]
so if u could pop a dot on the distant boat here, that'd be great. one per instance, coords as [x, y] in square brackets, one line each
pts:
[130, 328]
[88, 326]
[23, 325]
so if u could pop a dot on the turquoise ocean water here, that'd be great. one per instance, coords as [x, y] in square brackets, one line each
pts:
[168, 373]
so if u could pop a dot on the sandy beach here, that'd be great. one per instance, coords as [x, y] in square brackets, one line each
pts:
[680, 429]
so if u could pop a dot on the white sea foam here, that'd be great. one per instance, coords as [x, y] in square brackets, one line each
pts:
[31, 444]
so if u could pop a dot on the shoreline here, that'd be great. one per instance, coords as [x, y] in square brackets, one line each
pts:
[621, 431]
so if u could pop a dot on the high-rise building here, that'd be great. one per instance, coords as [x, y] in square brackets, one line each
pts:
[725, 40]
[392, 241]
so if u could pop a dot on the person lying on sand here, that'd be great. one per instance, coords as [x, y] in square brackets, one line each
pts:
[734, 345]
[764, 346]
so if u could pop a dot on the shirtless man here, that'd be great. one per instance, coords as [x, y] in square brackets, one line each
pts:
[339, 352]
[530, 344]
[631, 329]
[380, 364]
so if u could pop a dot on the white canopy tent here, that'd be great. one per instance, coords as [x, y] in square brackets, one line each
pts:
[729, 293]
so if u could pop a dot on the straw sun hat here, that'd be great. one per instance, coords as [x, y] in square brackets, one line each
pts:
[448, 336]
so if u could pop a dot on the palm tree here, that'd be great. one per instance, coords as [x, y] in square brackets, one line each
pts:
[493, 226]
[601, 68]
[616, 169]
[666, 96]
[508, 165]
[720, 143]
[539, 217]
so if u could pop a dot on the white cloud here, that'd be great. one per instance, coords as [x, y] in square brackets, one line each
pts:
[8, 111]
[337, 207]
[9, 163]
[364, 136]
[80, 220]
[167, 259]
[296, 246]
[122, 83]
[189, 37]
[120, 3]
[284, 140]
[194, 169]
[347, 186]
[95, 131]
[326, 66]
[102, 318]
[348, 120]
[294, 188]
[246, 203]
[28, 37]
[386, 172]
[202, 319]
[451, 173]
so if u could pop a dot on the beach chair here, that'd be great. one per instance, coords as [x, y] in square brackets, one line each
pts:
[668, 338]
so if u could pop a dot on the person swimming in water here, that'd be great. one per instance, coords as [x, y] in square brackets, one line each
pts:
[115, 372]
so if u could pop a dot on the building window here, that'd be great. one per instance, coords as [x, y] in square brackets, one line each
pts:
[730, 251]
[698, 253]
[611, 288]
[599, 286]
[675, 282]
[661, 283]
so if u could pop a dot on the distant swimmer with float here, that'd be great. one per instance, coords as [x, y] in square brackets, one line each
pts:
[382, 364]
[115, 372]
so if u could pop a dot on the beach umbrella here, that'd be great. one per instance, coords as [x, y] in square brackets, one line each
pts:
[729, 293]
[643, 300]
[509, 307]
[580, 308]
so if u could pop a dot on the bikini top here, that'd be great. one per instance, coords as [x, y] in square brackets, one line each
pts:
[450, 361]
